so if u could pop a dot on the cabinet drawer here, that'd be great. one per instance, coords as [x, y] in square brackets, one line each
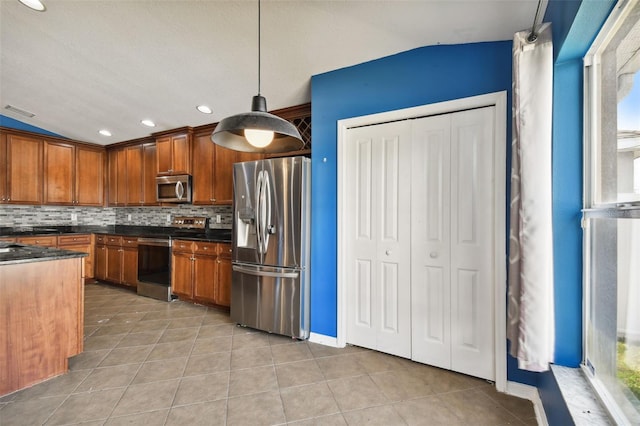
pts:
[114, 240]
[80, 239]
[182, 246]
[129, 242]
[44, 241]
[202, 247]
[224, 250]
[101, 239]
[7, 239]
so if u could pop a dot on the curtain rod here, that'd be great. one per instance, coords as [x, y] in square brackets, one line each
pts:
[533, 35]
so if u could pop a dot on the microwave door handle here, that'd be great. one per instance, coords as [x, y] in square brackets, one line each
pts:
[179, 190]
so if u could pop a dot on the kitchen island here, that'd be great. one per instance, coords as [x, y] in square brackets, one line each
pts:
[41, 313]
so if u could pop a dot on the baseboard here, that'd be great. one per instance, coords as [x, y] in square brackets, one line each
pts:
[531, 393]
[323, 340]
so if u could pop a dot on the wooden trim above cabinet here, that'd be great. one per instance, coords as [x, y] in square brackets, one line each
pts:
[26, 133]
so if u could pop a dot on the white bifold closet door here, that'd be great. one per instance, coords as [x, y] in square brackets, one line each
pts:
[452, 289]
[379, 275]
[420, 240]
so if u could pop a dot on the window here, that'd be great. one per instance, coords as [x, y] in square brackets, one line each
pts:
[612, 213]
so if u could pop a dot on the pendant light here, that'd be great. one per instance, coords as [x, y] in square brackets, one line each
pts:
[257, 131]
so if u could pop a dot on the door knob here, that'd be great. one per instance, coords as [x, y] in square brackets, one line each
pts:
[388, 252]
[433, 254]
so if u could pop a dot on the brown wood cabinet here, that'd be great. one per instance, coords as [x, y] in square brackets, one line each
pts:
[42, 311]
[100, 269]
[173, 153]
[3, 168]
[119, 261]
[73, 174]
[132, 175]
[213, 170]
[39, 240]
[22, 180]
[199, 271]
[149, 196]
[223, 280]
[118, 177]
[135, 174]
[82, 243]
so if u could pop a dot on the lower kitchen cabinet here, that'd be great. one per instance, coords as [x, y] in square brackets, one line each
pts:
[223, 289]
[100, 270]
[117, 259]
[199, 272]
[39, 240]
[82, 243]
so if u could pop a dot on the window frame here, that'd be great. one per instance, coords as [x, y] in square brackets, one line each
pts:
[593, 207]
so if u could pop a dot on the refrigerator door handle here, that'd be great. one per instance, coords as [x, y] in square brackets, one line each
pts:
[252, 271]
[259, 226]
[267, 215]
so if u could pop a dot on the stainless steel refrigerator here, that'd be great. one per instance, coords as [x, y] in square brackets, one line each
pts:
[270, 280]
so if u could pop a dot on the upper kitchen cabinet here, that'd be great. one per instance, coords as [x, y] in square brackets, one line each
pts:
[213, 169]
[20, 169]
[132, 175]
[173, 152]
[299, 116]
[3, 167]
[149, 165]
[117, 177]
[73, 174]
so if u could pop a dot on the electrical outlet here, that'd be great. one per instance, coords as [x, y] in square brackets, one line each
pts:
[168, 218]
[74, 216]
[129, 217]
[218, 218]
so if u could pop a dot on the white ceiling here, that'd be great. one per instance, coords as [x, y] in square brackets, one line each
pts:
[87, 65]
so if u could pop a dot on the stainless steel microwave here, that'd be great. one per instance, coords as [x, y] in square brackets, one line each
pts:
[173, 189]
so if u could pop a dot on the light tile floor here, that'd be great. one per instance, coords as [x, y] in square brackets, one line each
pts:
[155, 363]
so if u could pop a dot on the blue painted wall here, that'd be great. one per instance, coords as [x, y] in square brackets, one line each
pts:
[421, 76]
[19, 125]
[567, 205]
[575, 25]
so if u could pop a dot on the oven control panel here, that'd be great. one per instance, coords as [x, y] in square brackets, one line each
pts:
[190, 222]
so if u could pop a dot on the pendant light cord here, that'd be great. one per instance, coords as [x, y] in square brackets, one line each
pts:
[259, 45]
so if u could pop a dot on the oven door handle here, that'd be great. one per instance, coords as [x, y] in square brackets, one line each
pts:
[158, 242]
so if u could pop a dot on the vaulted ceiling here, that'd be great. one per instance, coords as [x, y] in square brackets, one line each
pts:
[86, 65]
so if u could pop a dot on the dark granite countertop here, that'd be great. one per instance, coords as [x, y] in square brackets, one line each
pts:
[12, 253]
[212, 235]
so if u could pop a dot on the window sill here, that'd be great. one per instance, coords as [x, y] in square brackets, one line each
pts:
[584, 406]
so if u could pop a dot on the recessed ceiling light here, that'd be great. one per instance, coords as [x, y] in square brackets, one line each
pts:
[148, 123]
[204, 109]
[104, 132]
[34, 4]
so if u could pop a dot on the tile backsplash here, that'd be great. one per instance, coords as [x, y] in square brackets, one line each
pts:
[162, 216]
[16, 215]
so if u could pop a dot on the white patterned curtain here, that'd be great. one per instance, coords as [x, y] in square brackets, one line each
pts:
[530, 326]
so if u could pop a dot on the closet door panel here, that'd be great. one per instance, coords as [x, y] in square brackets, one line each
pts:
[430, 241]
[379, 238]
[472, 310]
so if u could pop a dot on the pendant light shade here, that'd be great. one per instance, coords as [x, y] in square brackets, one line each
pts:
[235, 132]
[257, 131]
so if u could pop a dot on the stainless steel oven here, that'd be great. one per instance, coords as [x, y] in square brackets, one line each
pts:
[154, 268]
